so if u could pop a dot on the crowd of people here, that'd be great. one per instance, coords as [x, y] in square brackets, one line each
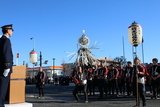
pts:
[113, 80]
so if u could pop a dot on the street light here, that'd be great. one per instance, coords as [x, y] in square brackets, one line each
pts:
[53, 69]
[135, 38]
[40, 59]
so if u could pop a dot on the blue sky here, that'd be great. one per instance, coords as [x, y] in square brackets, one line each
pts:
[56, 26]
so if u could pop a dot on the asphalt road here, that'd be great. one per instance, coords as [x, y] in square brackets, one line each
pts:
[61, 96]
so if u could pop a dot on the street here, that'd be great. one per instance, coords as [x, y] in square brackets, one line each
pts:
[60, 96]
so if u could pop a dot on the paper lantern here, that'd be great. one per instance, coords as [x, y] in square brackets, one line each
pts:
[135, 34]
[33, 56]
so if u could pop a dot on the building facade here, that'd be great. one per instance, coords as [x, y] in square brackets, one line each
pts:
[51, 71]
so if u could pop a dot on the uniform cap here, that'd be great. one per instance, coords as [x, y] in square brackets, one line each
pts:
[6, 27]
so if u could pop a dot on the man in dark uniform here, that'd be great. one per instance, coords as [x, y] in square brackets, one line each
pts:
[121, 83]
[102, 80]
[6, 61]
[112, 76]
[81, 84]
[89, 81]
[127, 76]
[95, 78]
[154, 72]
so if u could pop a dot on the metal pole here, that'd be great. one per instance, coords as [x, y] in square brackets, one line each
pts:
[33, 43]
[40, 59]
[142, 53]
[133, 51]
[123, 47]
[53, 69]
[33, 71]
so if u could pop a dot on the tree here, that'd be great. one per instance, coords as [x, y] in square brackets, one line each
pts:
[121, 60]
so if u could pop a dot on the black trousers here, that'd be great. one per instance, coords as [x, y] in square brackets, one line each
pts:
[41, 92]
[103, 87]
[95, 84]
[4, 82]
[79, 88]
[155, 84]
[128, 88]
[89, 86]
[154, 87]
[121, 85]
[141, 93]
[113, 84]
[40, 87]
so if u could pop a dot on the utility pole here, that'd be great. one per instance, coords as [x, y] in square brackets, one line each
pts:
[40, 59]
[123, 47]
[53, 69]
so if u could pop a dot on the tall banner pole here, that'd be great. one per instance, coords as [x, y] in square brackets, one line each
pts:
[135, 38]
[135, 55]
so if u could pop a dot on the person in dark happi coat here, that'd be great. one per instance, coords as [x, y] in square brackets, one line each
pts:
[40, 82]
[81, 84]
[121, 82]
[95, 78]
[102, 80]
[155, 77]
[139, 69]
[112, 76]
[149, 80]
[6, 61]
[127, 76]
[89, 81]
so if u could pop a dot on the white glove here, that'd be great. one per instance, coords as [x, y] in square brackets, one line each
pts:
[6, 71]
